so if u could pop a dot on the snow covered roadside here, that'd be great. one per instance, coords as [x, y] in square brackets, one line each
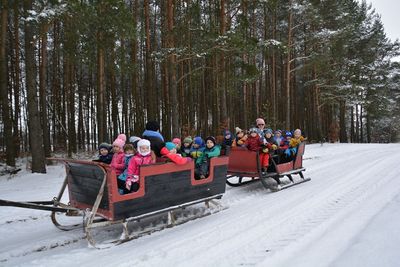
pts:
[345, 216]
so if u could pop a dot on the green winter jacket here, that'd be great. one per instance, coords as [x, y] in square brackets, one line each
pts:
[215, 151]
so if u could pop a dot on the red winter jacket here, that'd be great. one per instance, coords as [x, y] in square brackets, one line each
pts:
[118, 162]
[254, 143]
[135, 162]
[176, 158]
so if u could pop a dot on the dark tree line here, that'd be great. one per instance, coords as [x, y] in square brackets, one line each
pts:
[76, 73]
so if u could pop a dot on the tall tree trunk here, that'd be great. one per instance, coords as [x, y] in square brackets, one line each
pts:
[5, 104]
[222, 69]
[43, 89]
[149, 83]
[342, 122]
[35, 129]
[288, 69]
[17, 89]
[172, 67]
[100, 104]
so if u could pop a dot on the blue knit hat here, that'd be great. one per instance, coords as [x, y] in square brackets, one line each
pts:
[268, 130]
[198, 141]
[288, 133]
[170, 145]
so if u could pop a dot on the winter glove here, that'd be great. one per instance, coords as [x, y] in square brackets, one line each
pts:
[274, 147]
[130, 180]
[240, 142]
[128, 184]
[265, 150]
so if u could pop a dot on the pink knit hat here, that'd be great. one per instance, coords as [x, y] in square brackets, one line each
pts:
[120, 141]
[176, 141]
[122, 136]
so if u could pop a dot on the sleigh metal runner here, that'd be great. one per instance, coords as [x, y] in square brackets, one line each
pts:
[165, 188]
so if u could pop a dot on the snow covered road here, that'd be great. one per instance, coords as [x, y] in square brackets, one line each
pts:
[345, 216]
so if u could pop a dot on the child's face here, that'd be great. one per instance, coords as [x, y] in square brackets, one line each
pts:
[297, 134]
[240, 134]
[227, 136]
[210, 143]
[195, 145]
[144, 149]
[116, 149]
[173, 151]
[103, 151]
[268, 135]
[253, 134]
[288, 138]
[129, 151]
[277, 134]
[178, 145]
[186, 144]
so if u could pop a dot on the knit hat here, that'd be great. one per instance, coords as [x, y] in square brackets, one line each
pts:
[278, 132]
[198, 141]
[143, 142]
[288, 134]
[134, 139]
[253, 130]
[119, 143]
[176, 141]
[226, 133]
[105, 146]
[152, 126]
[170, 146]
[238, 130]
[212, 139]
[260, 121]
[188, 140]
[122, 136]
[269, 130]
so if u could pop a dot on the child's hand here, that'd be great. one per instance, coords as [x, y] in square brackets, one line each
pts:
[265, 150]
[274, 147]
[128, 184]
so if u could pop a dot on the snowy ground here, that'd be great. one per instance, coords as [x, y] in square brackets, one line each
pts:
[347, 215]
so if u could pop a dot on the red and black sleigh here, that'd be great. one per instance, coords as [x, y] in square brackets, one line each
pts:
[244, 168]
[164, 188]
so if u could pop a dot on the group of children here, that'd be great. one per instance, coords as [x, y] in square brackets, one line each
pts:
[125, 158]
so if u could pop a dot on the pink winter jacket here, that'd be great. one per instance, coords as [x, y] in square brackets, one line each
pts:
[135, 162]
[118, 162]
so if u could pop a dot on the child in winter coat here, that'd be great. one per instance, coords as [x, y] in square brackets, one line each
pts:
[254, 143]
[118, 162]
[187, 145]
[169, 151]
[178, 144]
[241, 137]
[293, 143]
[142, 157]
[202, 163]
[129, 152]
[227, 142]
[105, 155]
[197, 147]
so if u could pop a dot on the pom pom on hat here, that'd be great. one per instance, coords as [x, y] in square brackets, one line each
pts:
[152, 126]
[122, 137]
[170, 146]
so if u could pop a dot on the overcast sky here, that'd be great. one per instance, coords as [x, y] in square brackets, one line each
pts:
[389, 10]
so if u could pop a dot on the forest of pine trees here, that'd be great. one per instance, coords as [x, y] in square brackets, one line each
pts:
[75, 73]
